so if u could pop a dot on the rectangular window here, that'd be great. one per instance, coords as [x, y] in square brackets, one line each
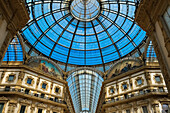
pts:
[111, 90]
[22, 110]
[165, 108]
[145, 110]
[166, 17]
[44, 86]
[139, 81]
[27, 91]
[42, 95]
[7, 88]
[128, 111]
[124, 86]
[56, 90]
[141, 92]
[161, 89]
[1, 107]
[39, 110]
[157, 78]
[29, 80]
[126, 96]
[11, 78]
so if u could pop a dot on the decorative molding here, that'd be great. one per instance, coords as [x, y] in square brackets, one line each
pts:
[20, 77]
[2, 75]
[86, 68]
[25, 102]
[142, 102]
[161, 79]
[3, 98]
[126, 106]
[112, 87]
[41, 105]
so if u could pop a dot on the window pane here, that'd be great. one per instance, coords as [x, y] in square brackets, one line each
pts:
[144, 109]
[39, 110]
[166, 17]
[1, 107]
[139, 82]
[29, 81]
[157, 78]
[11, 78]
[22, 109]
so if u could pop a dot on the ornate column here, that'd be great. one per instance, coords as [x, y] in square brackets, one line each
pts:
[155, 108]
[148, 78]
[2, 76]
[12, 106]
[32, 109]
[136, 110]
[20, 77]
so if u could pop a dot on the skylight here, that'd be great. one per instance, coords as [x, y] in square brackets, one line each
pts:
[88, 32]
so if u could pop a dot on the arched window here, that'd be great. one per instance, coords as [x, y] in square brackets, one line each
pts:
[151, 55]
[14, 51]
[85, 86]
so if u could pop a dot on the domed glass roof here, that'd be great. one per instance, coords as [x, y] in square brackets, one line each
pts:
[83, 32]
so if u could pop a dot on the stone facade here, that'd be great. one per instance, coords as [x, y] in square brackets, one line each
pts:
[24, 86]
[134, 91]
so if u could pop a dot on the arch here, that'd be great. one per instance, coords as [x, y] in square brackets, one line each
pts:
[85, 68]
[150, 54]
[85, 86]
[34, 58]
[134, 62]
[14, 51]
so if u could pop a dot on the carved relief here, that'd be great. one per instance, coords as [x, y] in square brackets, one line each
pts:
[148, 78]
[2, 75]
[160, 79]
[21, 77]
[12, 107]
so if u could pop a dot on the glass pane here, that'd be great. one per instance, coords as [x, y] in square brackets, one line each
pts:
[145, 110]
[157, 78]
[22, 109]
[1, 107]
[85, 86]
[83, 32]
[166, 17]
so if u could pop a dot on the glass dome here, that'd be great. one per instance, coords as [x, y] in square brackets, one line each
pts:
[85, 10]
[88, 32]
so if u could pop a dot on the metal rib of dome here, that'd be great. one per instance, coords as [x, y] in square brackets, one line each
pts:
[57, 34]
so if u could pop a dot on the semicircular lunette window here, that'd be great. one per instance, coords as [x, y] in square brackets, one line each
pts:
[89, 32]
[85, 87]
